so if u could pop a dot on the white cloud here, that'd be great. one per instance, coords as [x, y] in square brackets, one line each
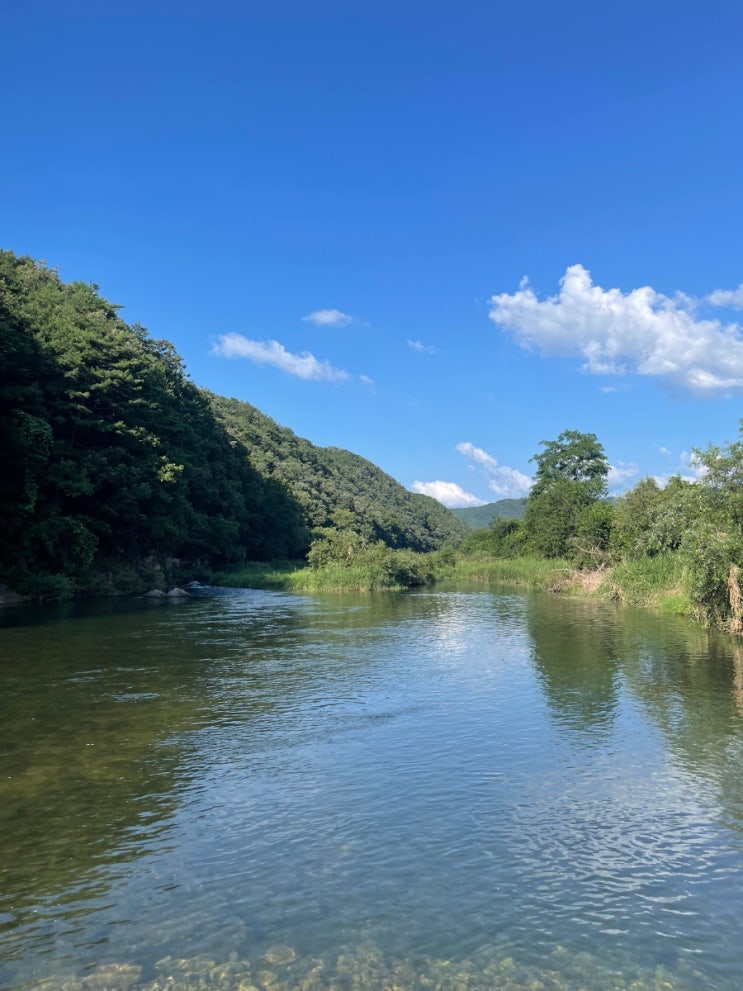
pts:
[506, 483]
[365, 380]
[477, 454]
[304, 365]
[690, 463]
[621, 474]
[727, 297]
[421, 347]
[641, 331]
[689, 469]
[448, 493]
[329, 318]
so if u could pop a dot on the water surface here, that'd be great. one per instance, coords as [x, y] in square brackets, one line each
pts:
[453, 791]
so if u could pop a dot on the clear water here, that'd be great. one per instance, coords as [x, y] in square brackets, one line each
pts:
[444, 791]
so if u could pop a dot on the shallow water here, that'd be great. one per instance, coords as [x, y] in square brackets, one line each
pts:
[447, 790]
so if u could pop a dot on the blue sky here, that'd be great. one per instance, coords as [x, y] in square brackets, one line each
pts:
[435, 234]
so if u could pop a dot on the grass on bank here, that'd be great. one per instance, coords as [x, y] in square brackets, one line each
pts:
[658, 582]
[398, 570]
[278, 576]
[520, 572]
[379, 569]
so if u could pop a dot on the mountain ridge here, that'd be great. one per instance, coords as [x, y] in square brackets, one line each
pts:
[480, 517]
[117, 466]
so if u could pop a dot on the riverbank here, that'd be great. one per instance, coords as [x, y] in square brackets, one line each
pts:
[393, 571]
[657, 583]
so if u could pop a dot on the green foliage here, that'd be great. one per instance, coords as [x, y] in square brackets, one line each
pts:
[700, 525]
[112, 457]
[649, 520]
[551, 518]
[110, 453]
[713, 559]
[570, 478]
[503, 538]
[521, 572]
[651, 580]
[592, 537]
[572, 457]
[373, 564]
[277, 575]
[635, 516]
[713, 546]
[338, 489]
[334, 546]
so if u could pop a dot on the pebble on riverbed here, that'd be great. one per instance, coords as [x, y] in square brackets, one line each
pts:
[367, 969]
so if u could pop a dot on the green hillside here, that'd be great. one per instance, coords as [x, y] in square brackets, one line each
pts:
[336, 488]
[480, 517]
[116, 467]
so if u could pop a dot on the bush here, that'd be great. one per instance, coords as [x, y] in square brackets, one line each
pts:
[590, 545]
[713, 559]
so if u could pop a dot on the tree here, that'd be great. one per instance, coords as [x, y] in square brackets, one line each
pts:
[570, 477]
[713, 545]
[572, 457]
[650, 520]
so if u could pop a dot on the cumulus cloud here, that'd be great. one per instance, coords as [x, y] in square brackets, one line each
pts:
[505, 482]
[692, 464]
[642, 331]
[621, 474]
[421, 347]
[448, 493]
[727, 297]
[329, 318]
[689, 468]
[304, 365]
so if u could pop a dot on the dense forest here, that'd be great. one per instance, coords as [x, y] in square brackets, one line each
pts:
[118, 471]
[335, 488]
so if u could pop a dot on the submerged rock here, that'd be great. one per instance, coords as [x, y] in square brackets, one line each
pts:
[110, 976]
[280, 955]
[367, 968]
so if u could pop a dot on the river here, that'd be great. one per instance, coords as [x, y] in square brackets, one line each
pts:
[456, 790]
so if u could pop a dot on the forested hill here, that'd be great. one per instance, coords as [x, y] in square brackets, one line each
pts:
[114, 462]
[480, 517]
[336, 488]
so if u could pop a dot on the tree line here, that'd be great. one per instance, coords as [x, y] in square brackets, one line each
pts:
[698, 523]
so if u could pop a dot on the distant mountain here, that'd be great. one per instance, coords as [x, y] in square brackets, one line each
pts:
[480, 517]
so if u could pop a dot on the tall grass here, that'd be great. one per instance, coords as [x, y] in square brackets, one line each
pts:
[280, 576]
[380, 568]
[658, 582]
[521, 572]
